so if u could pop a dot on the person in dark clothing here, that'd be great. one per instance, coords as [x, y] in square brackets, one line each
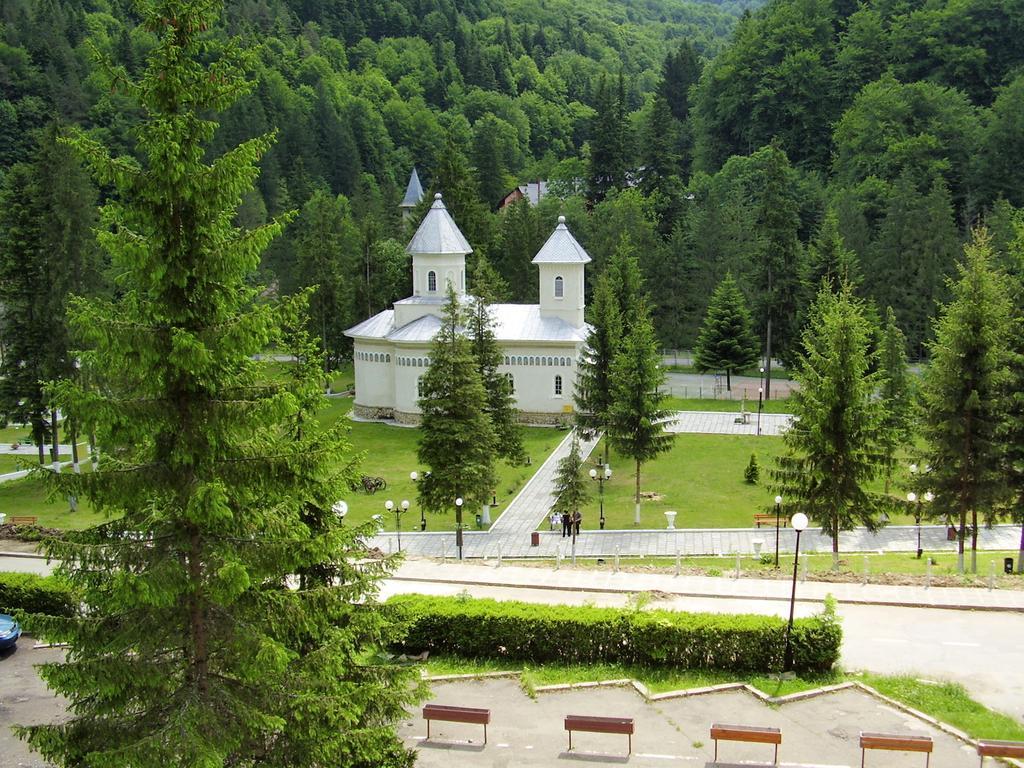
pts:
[577, 518]
[566, 525]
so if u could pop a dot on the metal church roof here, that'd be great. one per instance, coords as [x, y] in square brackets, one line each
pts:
[413, 192]
[561, 248]
[438, 234]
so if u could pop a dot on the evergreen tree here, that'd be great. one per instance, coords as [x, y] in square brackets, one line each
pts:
[454, 179]
[726, 341]
[609, 155]
[960, 393]
[829, 260]
[593, 381]
[779, 263]
[571, 490]
[501, 403]
[195, 649]
[1011, 433]
[834, 446]
[457, 440]
[897, 423]
[659, 163]
[626, 282]
[635, 417]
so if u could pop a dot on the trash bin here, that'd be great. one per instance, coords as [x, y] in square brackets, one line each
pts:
[951, 533]
[479, 521]
[535, 539]
[1007, 565]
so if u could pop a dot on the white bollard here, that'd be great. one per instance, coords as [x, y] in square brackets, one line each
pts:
[616, 560]
[803, 573]
[992, 575]
[558, 559]
[444, 551]
[928, 573]
[737, 565]
[867, 567]
[677, 562]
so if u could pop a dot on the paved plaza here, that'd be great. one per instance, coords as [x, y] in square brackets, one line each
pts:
[820, 731]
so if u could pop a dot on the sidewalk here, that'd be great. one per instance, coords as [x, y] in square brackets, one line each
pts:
[589, 580]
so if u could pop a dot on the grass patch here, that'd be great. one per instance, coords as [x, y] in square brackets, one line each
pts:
[673, 403]
[29, 496]
[948, 702]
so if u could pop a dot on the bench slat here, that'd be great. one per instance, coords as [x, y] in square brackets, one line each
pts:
[749, 733]
[599, 724]
[898, 742]
[996, 748]
[22, 519]
[456, 714]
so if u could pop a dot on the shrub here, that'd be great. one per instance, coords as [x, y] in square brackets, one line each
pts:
[753, 472]
[29, 593]
[587, 635]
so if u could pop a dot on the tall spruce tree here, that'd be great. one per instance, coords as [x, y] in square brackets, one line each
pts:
[1011, 432]
[609, 153]
[960, 393]
[779, 265]
[594, 382]
[635, 426]
[726, 341]
[834, 447]
[897, 423]
[457, 439]
[829, 260]
[194, 649]
[501, 403]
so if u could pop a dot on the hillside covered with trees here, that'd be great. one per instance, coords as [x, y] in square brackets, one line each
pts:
[768, 142]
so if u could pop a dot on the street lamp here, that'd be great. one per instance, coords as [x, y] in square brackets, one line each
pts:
[913, 497]
[458, 525]
[389, 505]
[760, 400]
[414, 476]
[601, 477]
[340, 508]
[799, 523]
[778, 511]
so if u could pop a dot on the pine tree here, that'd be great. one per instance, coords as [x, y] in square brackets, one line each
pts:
[571, 491]
[829, 260]
[897, 423]
[834, 447]
[501, 403]
[779, 266]
[659, 163]
[195, 650]
[960, 392]
[627, 282]
[457, 440]
[609, 157]
[726, 341]
[593, 381]
[635, 417]
[1011, 432]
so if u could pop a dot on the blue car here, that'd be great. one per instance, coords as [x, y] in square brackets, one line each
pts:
[9, 631]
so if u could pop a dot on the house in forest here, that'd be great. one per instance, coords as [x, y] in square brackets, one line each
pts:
[534, 192]
[542, 342]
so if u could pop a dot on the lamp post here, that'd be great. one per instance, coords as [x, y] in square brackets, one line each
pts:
[760, 400]
[601, 477]
[398, 511]
[778, 512]
[414, 476]
[340, 508]
[913, 497]
[458, 525]
[799, 523]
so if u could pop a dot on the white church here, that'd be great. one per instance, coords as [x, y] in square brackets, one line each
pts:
[542, 342]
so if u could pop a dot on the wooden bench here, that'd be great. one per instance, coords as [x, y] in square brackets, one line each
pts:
[457, 715]
[992, 748]
[768, 519]
[22, 520]
[600, 725]
[897, 742]
[749, 733]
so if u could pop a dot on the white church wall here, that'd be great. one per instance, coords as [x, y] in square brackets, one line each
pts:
[411, 364]
[536, 371]
[375, 381]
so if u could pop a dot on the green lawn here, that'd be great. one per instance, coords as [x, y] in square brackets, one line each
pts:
[949, 702]
[729, 406]
[701, 479]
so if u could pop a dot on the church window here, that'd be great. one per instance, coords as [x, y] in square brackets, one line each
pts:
[419, 386]
[506, 360]
[559, 287]
[511, 383]
[431, 281]
[533, 361]
[387, 358]
[558, 386]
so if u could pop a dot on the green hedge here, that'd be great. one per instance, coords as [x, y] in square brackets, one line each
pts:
[587, 635]
[35, 594]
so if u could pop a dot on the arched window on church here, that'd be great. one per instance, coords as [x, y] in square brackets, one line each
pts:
[559, 287]
[432, 281]
[511, 383]
[419, 386]
[558, 386]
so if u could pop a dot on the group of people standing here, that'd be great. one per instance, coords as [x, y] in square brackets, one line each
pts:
[570, 522]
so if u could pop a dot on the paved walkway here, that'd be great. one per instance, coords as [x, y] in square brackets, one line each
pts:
[566, 579]
[720, 423]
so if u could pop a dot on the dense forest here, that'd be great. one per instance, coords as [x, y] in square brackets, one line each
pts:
[778, 143]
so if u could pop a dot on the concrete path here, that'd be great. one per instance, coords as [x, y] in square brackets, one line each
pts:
[722, 423]
[31, 452]
[666, 543]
